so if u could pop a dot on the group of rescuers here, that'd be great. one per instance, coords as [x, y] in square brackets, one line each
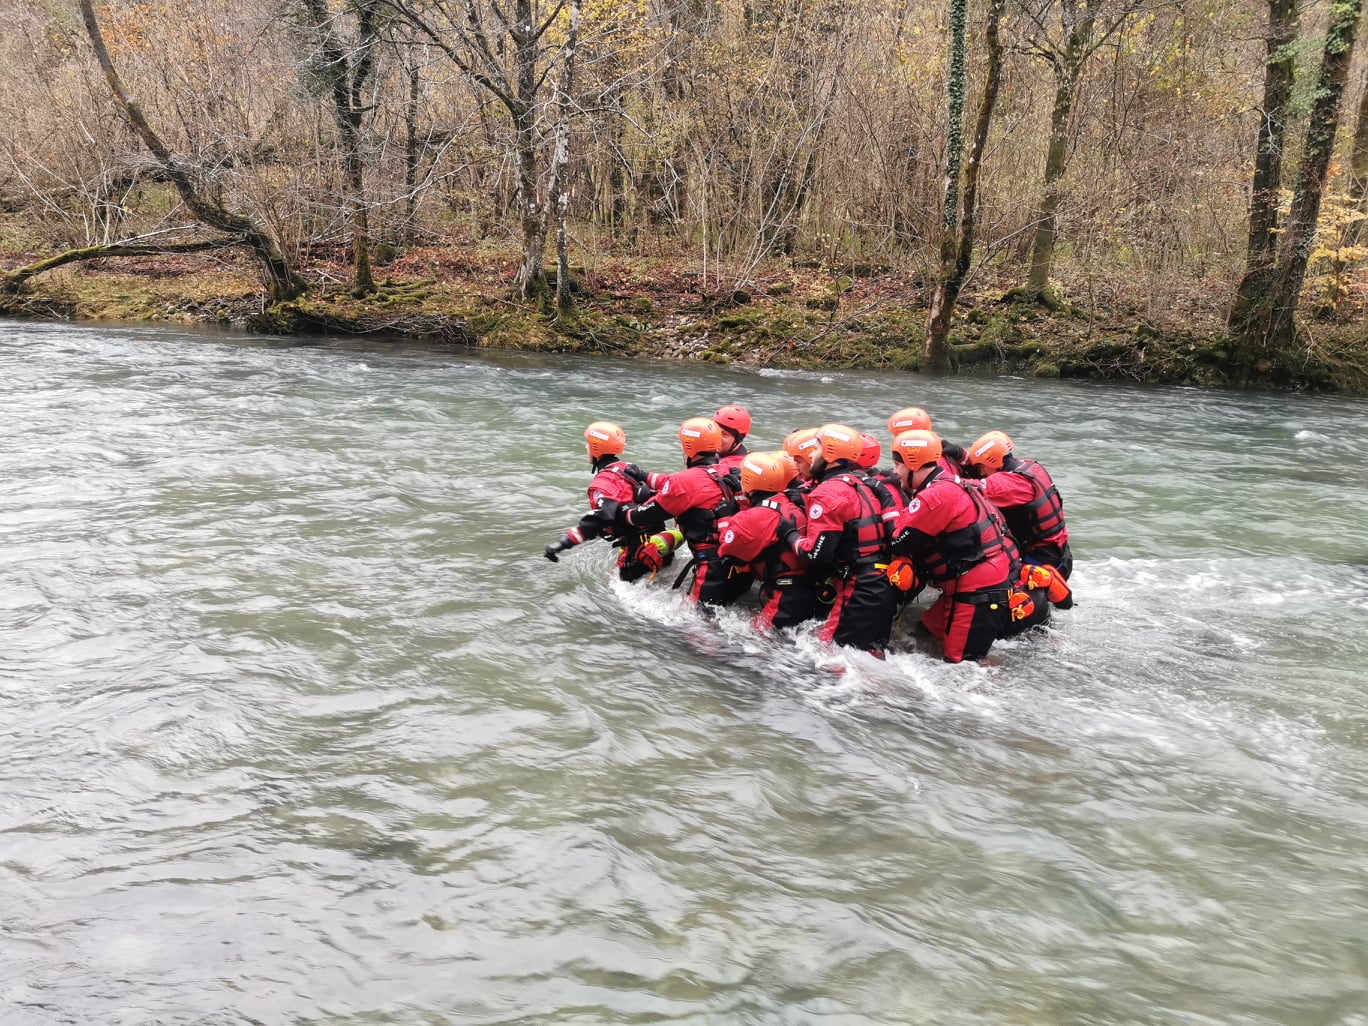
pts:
[827, 533]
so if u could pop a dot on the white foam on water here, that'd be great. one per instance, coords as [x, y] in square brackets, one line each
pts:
[832, 677]
[1154, 652]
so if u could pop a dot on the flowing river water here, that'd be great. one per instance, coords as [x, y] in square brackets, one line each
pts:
[298, 726]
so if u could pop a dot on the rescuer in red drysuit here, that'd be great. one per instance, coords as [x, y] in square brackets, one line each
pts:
[788, 592]
[845, 535]
[696, 497]
[1028, 498]
[802, 447]
[616, 483]
[884, 483]
[735, 424]
[954, 542]
[914, 418]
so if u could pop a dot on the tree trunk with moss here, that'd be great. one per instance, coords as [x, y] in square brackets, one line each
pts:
[1358, 179]
[1279, 78]
[281, 281]
[1276, 329]
[14, 281]
[1068, 69]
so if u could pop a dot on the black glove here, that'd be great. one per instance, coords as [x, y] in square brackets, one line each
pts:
[787, 531]
[554, 547]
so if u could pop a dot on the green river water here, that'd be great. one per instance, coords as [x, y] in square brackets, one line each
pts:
[297, 726]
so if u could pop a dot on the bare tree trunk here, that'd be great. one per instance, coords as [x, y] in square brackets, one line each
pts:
[556, 191]
[531, 279]
[1279, 73]
[955, 271]
[1068, 67]
[410, 146]
[346, 74]
[485, 42]
[1279, 329]
[282, 282]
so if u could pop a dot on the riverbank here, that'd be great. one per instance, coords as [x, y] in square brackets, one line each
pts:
[791, 316]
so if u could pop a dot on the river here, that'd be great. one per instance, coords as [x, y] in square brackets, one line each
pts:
[298, 726]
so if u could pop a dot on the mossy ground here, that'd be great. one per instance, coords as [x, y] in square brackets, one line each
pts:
[789, 316]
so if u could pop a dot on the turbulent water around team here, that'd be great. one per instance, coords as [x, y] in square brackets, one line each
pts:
[298, 726]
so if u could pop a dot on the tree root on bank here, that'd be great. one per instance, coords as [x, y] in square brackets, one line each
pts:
[1048, 299]
[297, 319]
[37, 308]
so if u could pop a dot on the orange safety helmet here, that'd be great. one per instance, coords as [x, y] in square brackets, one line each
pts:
[870, 453]
[699, 435]
[765, 472]
[802, 444]
[733, 418]
[839, 442]
[989, 452]
[604, 438]
[912, 418]
[915, 449]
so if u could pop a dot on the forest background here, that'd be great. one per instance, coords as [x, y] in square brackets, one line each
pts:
[1163, 191]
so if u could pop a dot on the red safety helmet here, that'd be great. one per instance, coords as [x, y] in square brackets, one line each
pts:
[869, 455]
[989, 452]
[912, 418]
[765, 472]
[839, 442]
[699, 435]
[915, 449]
[604, 438]
[733, 418]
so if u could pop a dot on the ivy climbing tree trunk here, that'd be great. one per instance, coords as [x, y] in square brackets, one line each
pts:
[281, 281]
[937, 342]
[1279, 78]
[957, 242]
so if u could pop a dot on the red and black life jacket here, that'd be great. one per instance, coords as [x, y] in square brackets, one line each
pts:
[952, 554]
[779, 558]
[633, 475]
[635, 489]
[699, 523]
[864, 541]
[1042, 518]
[889, 506]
